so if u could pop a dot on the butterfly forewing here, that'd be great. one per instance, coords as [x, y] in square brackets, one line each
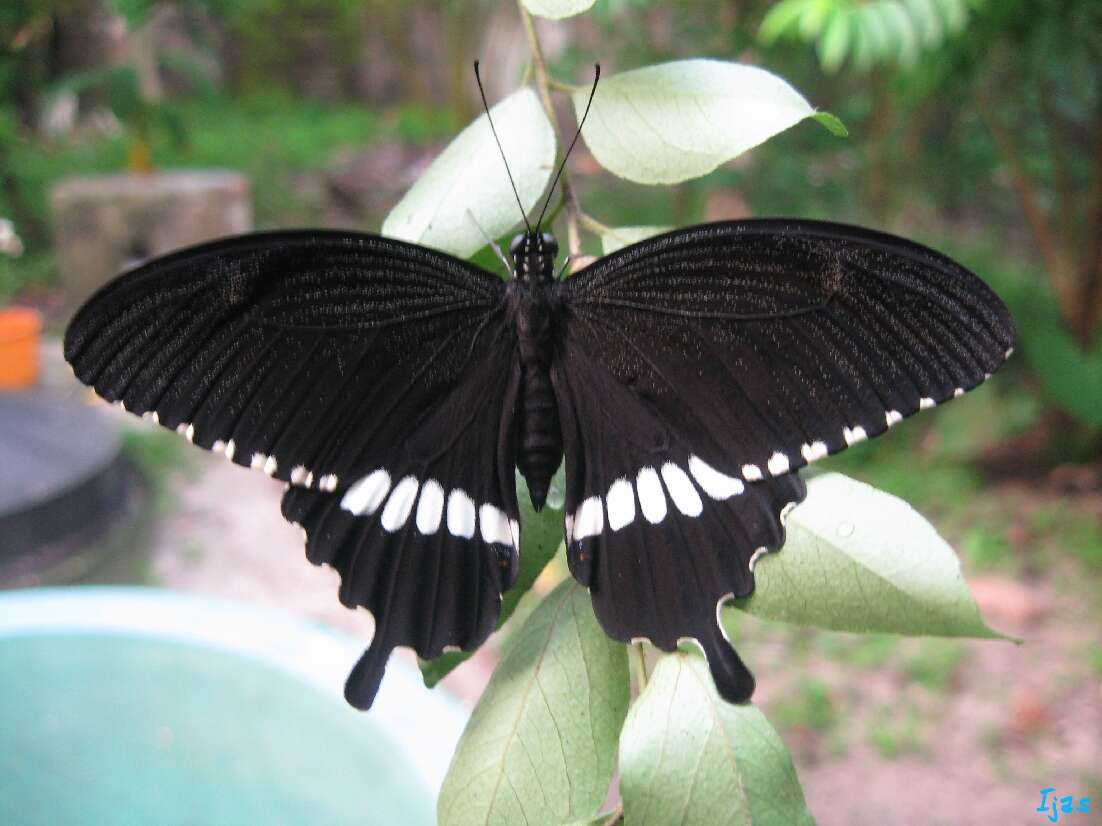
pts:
[377, 378]
[770, 344]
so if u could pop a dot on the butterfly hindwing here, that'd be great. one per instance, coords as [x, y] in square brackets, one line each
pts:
[658, 534]
[377, 378]
[427, 545]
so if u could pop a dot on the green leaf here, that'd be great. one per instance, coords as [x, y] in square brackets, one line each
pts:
[954, 13]
[902, 33]
[680, 120]
[863, 52]
[858, 559]
[835, 41]
[540, 538]
[1071, 376]
[928, 20]
[558, 9]
[620, 237]
[815, 17]
[831, 123]
[466, 186]
[540, 747]
[870, 22]
[686, 756]
[781, 19]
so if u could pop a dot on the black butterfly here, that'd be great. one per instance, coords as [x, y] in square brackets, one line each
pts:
[685, 379]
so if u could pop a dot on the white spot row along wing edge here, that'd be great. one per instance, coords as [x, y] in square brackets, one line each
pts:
[431, 507]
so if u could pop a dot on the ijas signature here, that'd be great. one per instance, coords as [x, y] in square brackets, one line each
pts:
[1053, 806]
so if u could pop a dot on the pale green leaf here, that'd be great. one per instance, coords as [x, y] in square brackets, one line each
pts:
[558, 9]
[864, 54]
[902, 32]
[680, 120]
[466, 186]
[928, 21]
[870, 21]
[781, 19]
[686, 756]
[540, 539]
[620, 237]
[954, 13]
[858, 559]
[815, 17]
[540, 747]
[834, 42]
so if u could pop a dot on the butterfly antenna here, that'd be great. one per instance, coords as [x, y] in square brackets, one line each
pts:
[486, 106]
[562, 166]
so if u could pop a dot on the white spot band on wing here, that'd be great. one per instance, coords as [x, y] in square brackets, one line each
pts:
[400, 504]
[430, 508]
[461, 514]
[494, 525]
[364, 497]
[652, 499]
[621, 504]
[589, 519]
[681, 490]
[717, 485]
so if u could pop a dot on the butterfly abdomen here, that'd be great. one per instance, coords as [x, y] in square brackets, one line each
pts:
[540, 447]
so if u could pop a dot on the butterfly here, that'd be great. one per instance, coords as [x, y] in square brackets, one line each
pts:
[683, 380]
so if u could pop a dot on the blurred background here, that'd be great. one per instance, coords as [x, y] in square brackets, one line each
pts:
[129, 128]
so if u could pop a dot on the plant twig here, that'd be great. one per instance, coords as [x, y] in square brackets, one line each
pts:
[1091, 305]
[590, 223]
[638, 656]
[559, 86]
[1034, 215]
[543, 87]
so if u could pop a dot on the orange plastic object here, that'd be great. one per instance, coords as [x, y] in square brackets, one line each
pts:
[20, 329]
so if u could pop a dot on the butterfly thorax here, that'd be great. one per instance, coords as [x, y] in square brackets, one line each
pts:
[532, 305]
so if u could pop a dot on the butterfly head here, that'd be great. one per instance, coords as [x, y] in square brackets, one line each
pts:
[533, 255]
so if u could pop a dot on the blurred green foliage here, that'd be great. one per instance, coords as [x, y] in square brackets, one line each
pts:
[810, 707]
[867, 33]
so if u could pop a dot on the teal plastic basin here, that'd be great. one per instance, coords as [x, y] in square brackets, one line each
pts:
[142, 706]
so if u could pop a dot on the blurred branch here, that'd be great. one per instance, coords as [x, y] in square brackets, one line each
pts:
[1065, 193]
[1055, 265]
[543, 85]
[1091, 307]
[638, 658]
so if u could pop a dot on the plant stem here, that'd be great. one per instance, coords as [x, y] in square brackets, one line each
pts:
[615, 816]
[638, 657]
[593, 225]
[543, 86]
